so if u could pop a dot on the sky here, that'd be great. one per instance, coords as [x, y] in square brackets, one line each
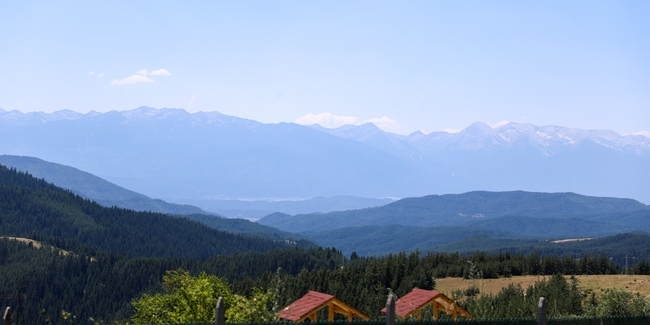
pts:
[405, 66]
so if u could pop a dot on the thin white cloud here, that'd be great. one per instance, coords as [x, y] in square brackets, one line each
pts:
[330, 120]
[138, 77]
[91, 73]
[643, 133]
[327, 120]
[160, 72]
[134, 79]
[99, 75]
[498, 124]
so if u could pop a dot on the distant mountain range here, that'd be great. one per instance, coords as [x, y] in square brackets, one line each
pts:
[172, 155]
[519, 156]
[182, 157]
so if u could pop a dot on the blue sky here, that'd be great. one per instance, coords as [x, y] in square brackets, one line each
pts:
[431, 65]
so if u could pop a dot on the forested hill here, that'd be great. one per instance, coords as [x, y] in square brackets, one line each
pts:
[108, 194]
[32, 208]
[457, 209]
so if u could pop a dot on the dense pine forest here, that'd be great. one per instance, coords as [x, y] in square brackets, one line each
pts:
[92, 262]
[103, 286]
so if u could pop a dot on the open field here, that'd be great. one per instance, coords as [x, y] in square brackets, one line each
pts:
[596, 283]
[35, 243]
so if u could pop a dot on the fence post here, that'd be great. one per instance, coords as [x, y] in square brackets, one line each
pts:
[541, 311]
[390, 310]
[7, 318]
[220, 312]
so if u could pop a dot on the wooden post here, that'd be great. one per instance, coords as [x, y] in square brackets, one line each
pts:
[390, 310]
[7, 318]
[541, 311]
[330, 316]
[435, 310]
[220, 313]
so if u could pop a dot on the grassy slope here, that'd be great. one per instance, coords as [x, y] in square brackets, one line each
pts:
[595, 283]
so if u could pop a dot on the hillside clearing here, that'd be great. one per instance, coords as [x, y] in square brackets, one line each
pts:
[595, 283]
[36, 244]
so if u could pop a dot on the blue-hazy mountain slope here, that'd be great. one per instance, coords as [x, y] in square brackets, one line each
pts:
[108, 194]
[456, 209]
[255, 209]
[33, 208]
[519, 156]
[504, 233]
[170, 153]
[92, 187]
[463, 221]
[178, 156]
[382, 240]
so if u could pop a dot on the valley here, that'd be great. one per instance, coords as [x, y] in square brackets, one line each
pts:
[517, 221]
[132, 251]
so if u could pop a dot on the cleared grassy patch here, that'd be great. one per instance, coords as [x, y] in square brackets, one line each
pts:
[35, 244]
[588, 283]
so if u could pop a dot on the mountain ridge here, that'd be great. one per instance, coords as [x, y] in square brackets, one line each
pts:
[458, 209]
[458, 220]
[541, 136]
[175, 155]
[92, 187]
[172, 154]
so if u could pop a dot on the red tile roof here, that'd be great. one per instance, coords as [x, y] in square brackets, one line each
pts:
[412, 301]
[304, 306]
[418, 298]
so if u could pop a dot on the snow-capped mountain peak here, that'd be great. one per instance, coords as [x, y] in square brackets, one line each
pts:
[547, 140]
